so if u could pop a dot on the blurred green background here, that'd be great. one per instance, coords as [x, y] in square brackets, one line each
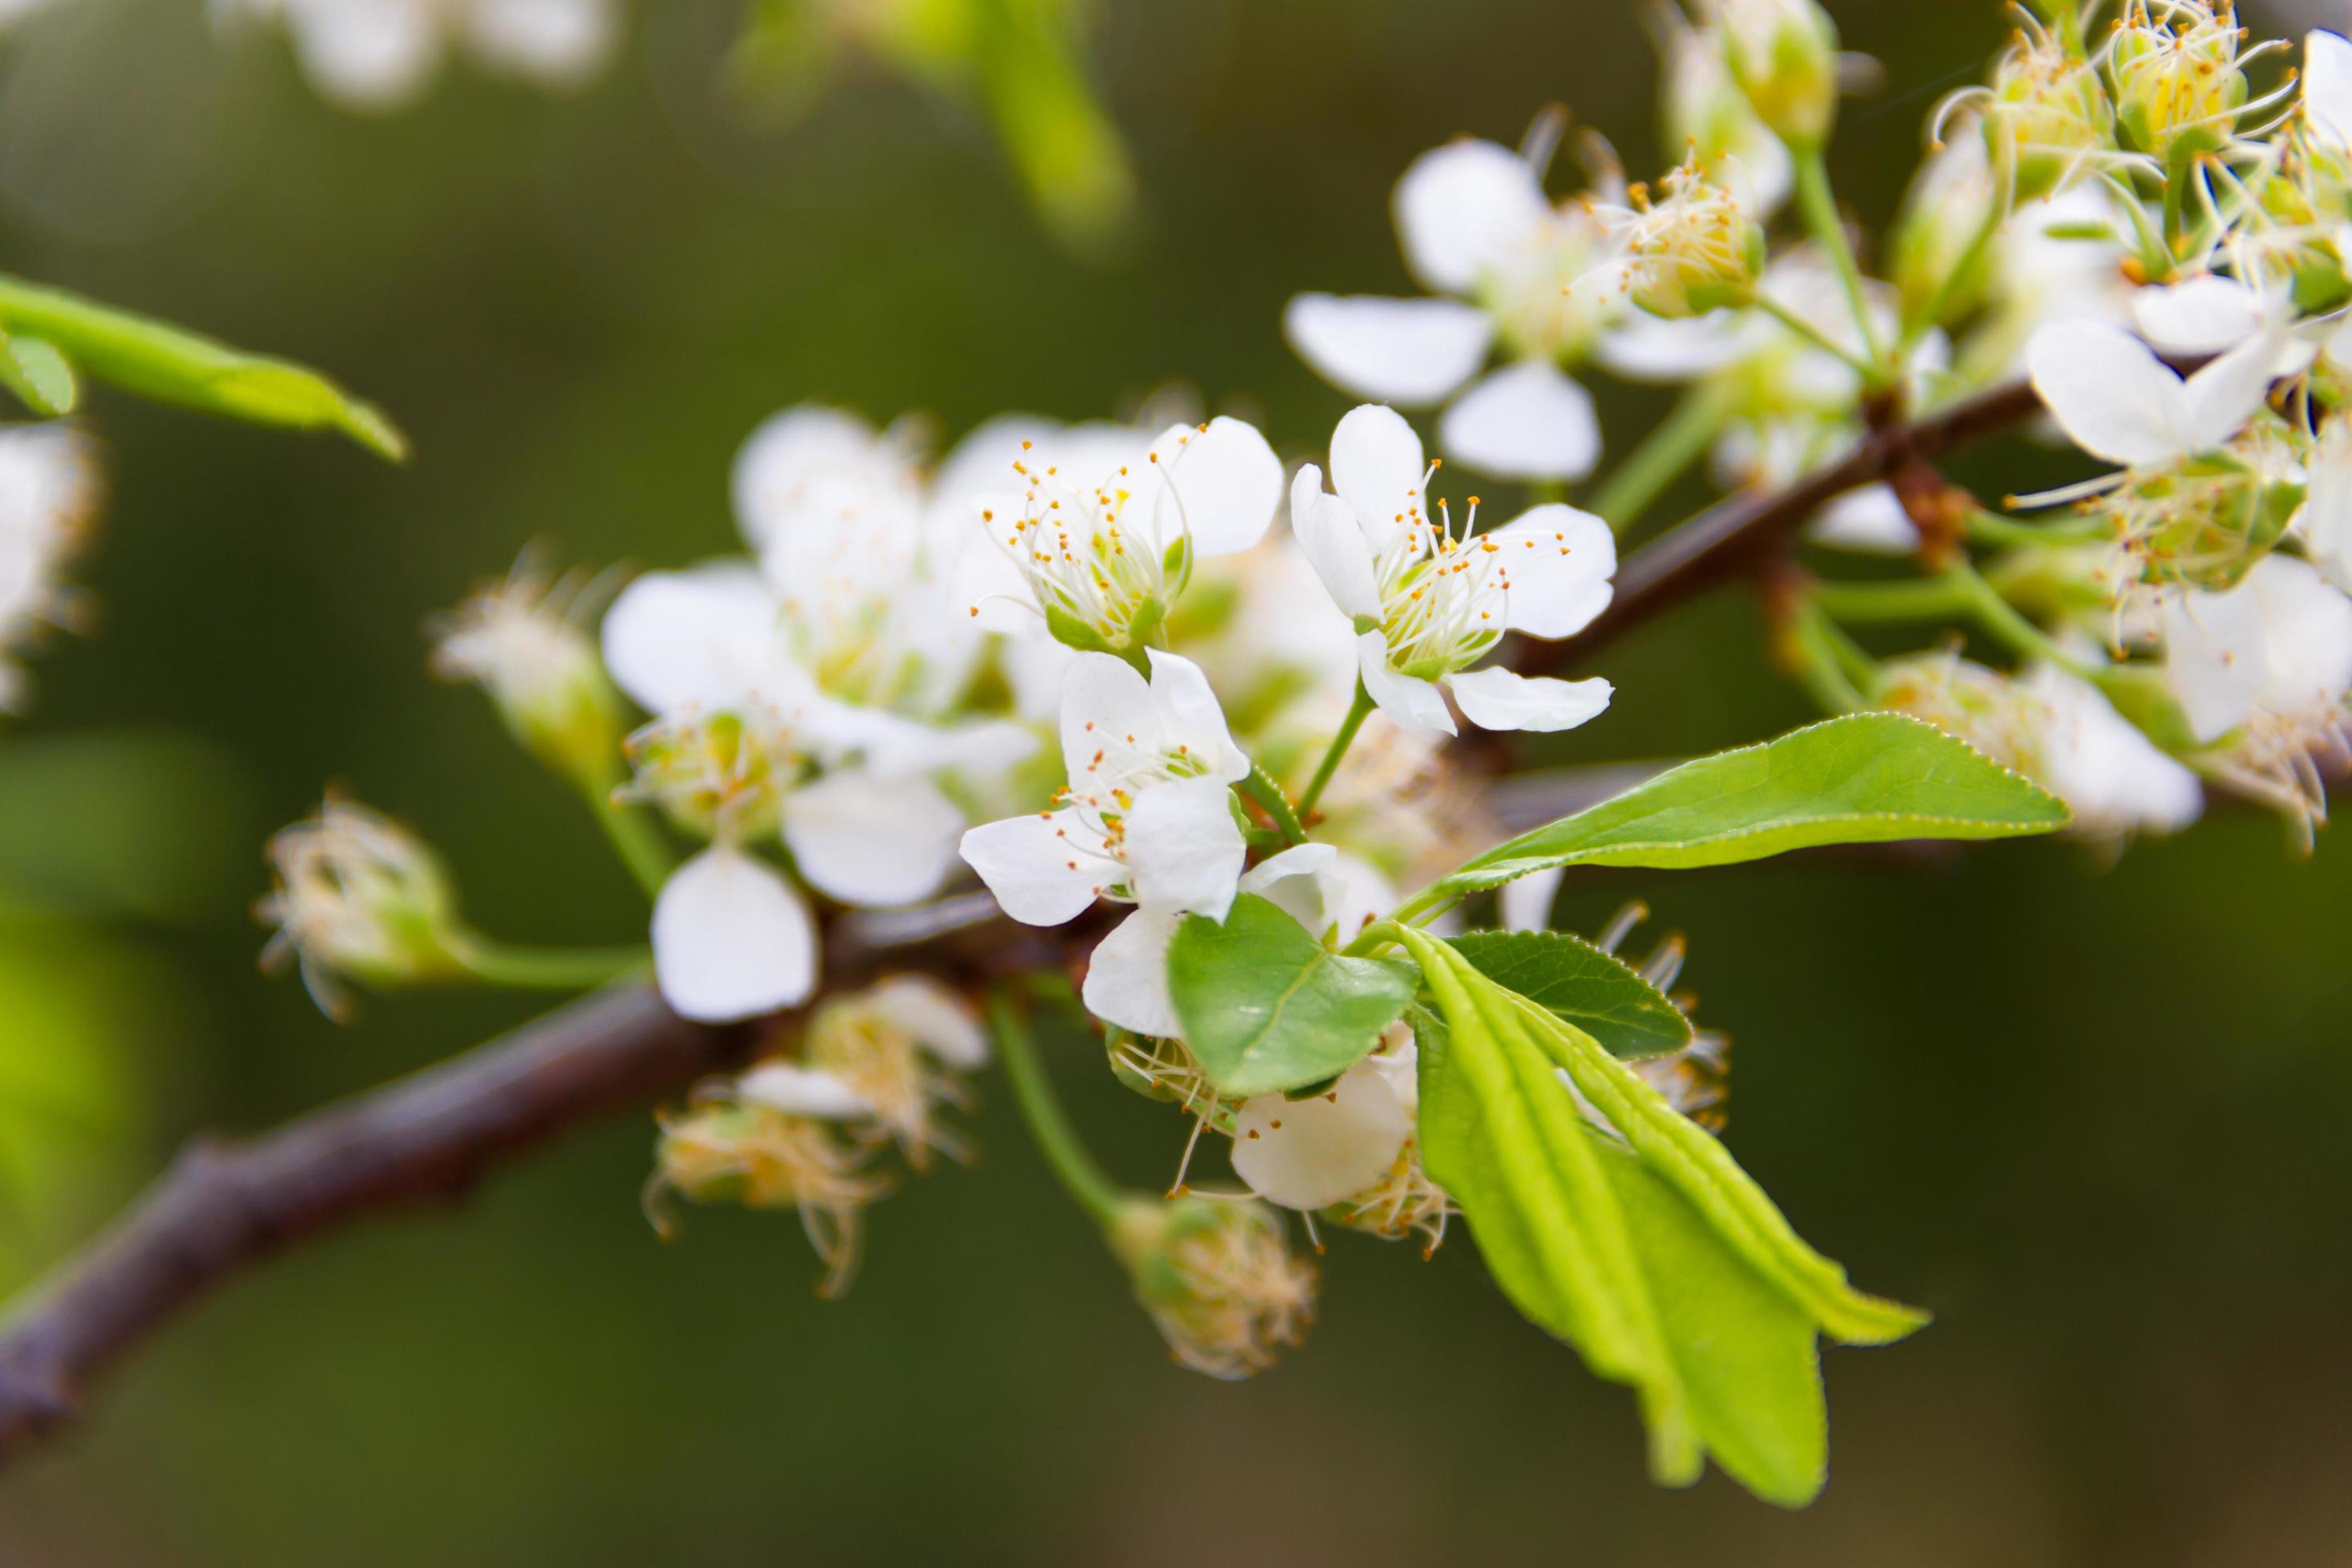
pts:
[2093, 1116]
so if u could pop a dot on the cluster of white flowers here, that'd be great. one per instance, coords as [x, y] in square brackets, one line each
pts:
[382, 54]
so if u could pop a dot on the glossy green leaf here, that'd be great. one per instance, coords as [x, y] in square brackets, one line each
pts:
[1862, 779]
[1662, 1263]
[1267, 1007]
[38, 374]
[1592, 989]
[156, 360]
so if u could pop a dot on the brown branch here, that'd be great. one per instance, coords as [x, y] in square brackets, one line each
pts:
[225, 1206]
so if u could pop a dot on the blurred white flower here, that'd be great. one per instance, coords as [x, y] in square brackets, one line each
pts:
[1429, 602]
[48, 493]
[377, 55]
[356, 896]
[1148, 818]
[1706, 112]
[1515, 271]
[885, 1060]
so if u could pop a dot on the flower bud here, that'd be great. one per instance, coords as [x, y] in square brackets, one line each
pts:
[521, 641]
[1935, 258]
[1218, 1279]
[725, 1150]
[1704, 111]
[2178, 82]
[2045, 115]
[358, 896]
[1784, 55]
[1693, 250]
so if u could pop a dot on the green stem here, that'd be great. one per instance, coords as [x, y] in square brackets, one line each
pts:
[1830, 667]
[1056, 1140]
[1259, 786]
[1819, 208]
[1662, 458]
[2003, 619]
[1358, 712]
[641, 848]
[1992, 527]
[1813, 335]
[544, 968]
[1905, 599]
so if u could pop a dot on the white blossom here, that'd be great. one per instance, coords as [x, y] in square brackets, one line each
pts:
[376, 55]
[1509, 270]
[49, 492]
[1429, 601]
[1148, 818]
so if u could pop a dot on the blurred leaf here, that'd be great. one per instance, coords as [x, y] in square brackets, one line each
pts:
[38, 375]
[147, 825]
[1866, 778]
[70, 1119]
[1663, 1264]
[1267, 1007]
[155, 359]
[1592, 989]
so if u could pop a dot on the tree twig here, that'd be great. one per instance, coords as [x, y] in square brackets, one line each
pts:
[223, 1207]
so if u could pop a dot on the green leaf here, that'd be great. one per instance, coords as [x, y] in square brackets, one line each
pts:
[1267, 1007]
[173, 365]
[1661, 1263]
[1862, 779]
[39, 375]
[1589, 989]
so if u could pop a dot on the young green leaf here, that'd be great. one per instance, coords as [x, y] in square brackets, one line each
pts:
[1862, 779]
[1661, 1263]
[162, 361]
[1267, 1007]
[1592, 989]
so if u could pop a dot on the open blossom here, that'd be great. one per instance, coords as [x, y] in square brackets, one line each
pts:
[745, 746]
[48, 489]
[2116, 400]
[1350, 1152]
[1147, 815]
[1690, 250]
[1430, 601]
[382, 54]
[2264, 671]
[1097, 537]
[1517, 272]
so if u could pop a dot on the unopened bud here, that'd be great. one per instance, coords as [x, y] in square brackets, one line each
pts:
[520, 640]
[2177, 77]
[1936, 255]
[2046, 115]
[1218, 1279]
[358, 896]
[1784, 55]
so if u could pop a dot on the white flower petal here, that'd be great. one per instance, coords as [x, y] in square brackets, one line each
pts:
[2114, 778]
[1299, 883]
[1526, 904]
[797, 1091]
[1461, 206]
[1327, 532]
[2213, 657]
[1526, 421]
[731, 939]
[1196, 720]
[939, 1020]
[2109, 391]
[1870, 521]
[2327, 86]
[1043, 868]
[868, 839]
[1222, 484]
[556, 43]
[2222, 395]
[367, 56]
[2202, 316]
[1378, 468]
[1649, 348]
[1127, 977]
[1184, 850]
[1108, 711]
[1311, 1154]
[1551, 568]
[1499, 699]
[789, 451]
[705, 638]
[1410, 703]
[1401, 351]
[2326, 520]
